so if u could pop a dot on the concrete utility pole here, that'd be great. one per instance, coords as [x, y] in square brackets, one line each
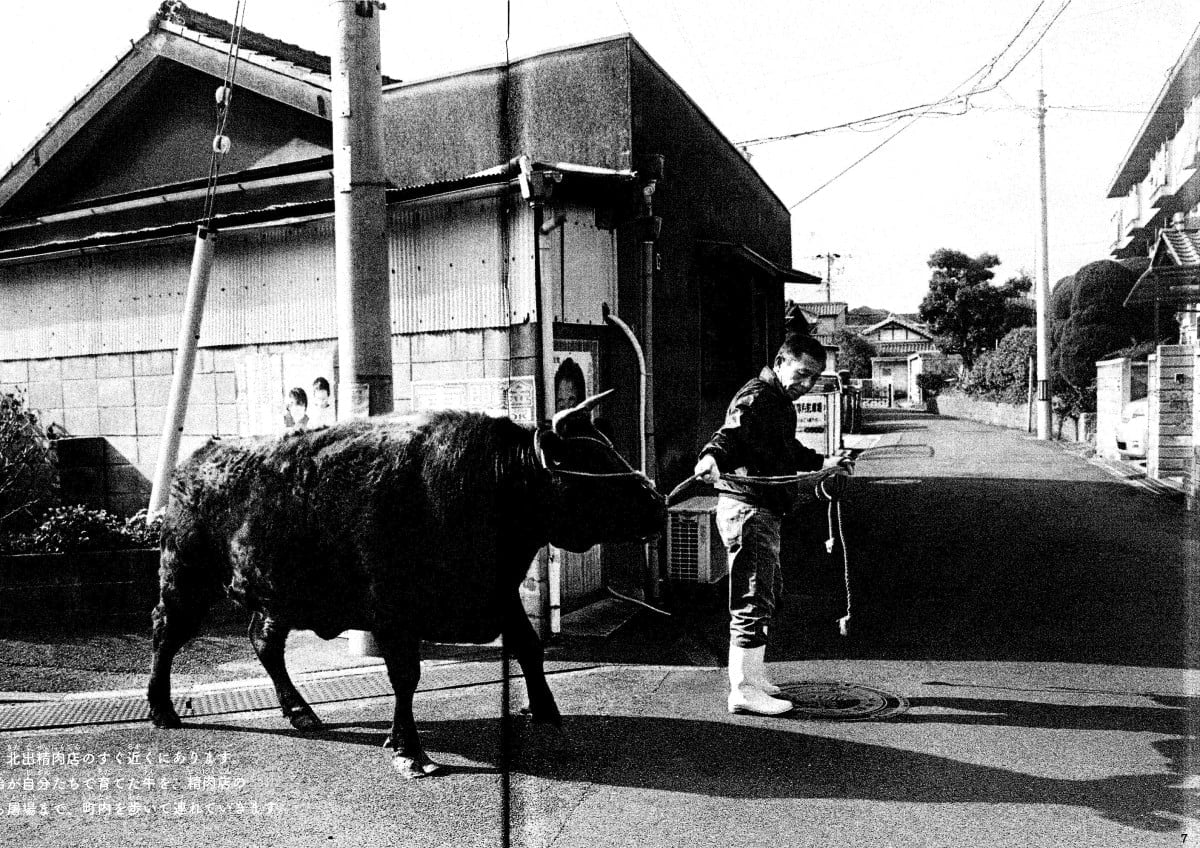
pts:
[828, 257]
[364, 313]
[364, 303]
[1043, 290]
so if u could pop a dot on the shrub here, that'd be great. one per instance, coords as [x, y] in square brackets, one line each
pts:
[1003, 374]
[66, 529]
[28, 479]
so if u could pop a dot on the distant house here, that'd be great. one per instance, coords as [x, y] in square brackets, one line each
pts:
[895, 338]
[825, 318]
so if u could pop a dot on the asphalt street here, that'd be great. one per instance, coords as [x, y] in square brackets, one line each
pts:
[1029, 611]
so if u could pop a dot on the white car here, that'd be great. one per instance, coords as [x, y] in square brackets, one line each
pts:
[1133, 431]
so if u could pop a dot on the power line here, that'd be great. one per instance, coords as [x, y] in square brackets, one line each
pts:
[948, 98]
[898, 114]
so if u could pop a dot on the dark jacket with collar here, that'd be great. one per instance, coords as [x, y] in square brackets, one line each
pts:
[758, 438]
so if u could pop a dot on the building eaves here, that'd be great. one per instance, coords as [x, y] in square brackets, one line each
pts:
[751, 257]
[281, 213]
[180, 15]
[1182, 84]
[1173, 277]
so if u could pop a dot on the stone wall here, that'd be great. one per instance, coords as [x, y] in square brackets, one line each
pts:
[958, 405]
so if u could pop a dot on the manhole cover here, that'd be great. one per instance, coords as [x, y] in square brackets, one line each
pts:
[831, 700]
[897, 481]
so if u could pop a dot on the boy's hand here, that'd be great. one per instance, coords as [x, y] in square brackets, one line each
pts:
[706, 469]
[840, 464]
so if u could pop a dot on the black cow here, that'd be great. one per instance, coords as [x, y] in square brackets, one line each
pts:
[412, 527]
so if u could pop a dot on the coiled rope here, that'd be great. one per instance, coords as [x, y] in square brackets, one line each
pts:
[822, 492]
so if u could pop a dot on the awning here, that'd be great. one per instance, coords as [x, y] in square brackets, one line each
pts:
[1173, 278]
[742, 253]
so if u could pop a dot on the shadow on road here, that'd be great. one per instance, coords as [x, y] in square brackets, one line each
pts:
[709, 758]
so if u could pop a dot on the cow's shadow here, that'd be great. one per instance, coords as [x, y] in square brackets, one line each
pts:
[781, 761]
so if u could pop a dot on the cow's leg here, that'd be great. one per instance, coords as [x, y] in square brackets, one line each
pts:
[521, 639]
[402, 653]
[176, 619]
[269, 637]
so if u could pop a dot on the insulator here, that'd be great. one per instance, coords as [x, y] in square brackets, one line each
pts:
[221, 144]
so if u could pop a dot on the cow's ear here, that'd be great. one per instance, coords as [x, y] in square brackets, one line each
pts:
[578, 419]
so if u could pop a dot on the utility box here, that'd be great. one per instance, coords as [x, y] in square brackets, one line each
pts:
[695, 552]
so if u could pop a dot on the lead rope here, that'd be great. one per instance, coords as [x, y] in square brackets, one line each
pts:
[835, 510]
[833, 518]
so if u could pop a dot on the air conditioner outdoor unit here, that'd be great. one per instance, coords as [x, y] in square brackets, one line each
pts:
[695, 553]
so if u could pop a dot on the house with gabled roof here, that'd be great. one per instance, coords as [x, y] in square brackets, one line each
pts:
[98, 215]
[895, 338]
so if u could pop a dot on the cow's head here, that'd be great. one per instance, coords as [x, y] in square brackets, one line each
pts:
[595, 496]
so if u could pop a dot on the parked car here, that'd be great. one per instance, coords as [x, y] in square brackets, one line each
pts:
[1134, 430]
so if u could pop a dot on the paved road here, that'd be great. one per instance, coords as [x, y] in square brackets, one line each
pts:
[1031, 608]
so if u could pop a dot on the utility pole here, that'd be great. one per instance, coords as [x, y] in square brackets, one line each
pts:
[364, 314]
[363, 293]
[828, 257]
[1043, 289]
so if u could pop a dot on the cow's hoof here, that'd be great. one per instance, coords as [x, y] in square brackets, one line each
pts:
[306, 720]
[165, 717]
[412, 768]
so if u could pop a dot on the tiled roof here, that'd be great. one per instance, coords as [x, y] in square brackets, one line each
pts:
[824, 308]
[180, 15]
[896, 319]
[1184, 247]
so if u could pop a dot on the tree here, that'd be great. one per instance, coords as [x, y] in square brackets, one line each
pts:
[967, 313]
[854, 353]
[1096, 324]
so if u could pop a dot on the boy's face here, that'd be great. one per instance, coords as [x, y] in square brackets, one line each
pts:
[797, 376]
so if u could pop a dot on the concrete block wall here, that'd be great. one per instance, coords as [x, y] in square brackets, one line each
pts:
[123, 397]
[94, 473]
[1170, 381]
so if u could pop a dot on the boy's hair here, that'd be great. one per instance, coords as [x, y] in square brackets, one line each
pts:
[321, 385]
[796, 345]
[298, 395]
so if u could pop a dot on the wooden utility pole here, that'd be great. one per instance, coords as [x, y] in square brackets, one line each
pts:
[1043, 289]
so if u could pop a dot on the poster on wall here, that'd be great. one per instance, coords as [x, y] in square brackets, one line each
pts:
[574, 377]
[282, 391]
[494, 396]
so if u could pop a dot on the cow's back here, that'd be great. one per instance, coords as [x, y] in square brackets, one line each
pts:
[359, 523]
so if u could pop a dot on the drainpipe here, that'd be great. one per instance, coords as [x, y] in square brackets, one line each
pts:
[181, 381]
[536, 187]
[650, 171]
[641, 360]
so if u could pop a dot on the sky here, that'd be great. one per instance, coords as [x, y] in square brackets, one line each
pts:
[763, 68]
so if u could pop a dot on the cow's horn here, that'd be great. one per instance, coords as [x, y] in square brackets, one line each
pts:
[584, 407]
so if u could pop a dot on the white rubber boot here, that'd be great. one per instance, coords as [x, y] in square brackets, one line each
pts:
[756, 673]
[744, 696]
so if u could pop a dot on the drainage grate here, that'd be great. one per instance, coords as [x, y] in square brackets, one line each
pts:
[39, 715]
[832, 700]
[47, 714]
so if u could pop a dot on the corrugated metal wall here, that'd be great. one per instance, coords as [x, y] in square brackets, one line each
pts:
[267, 285]
[276, 284]
[445, 260]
